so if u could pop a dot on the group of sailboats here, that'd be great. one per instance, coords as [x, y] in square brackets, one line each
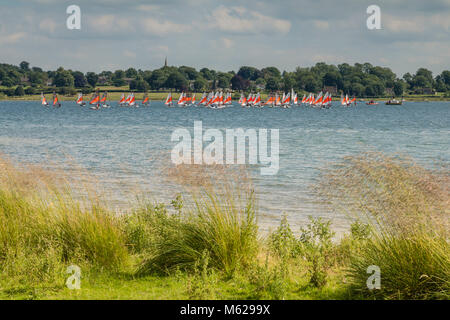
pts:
[214, 100]
[130, 100]
[346, 101]
[287, 100]
[56, 102]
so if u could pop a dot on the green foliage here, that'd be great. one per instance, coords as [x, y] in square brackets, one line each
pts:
[19, 91]
[282, 242]
[217, 225]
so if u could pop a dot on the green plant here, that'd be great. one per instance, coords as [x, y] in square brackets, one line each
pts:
[282, 242]
[317, 249]
[218, 224]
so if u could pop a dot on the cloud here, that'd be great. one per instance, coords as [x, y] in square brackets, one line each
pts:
[110, 23]
[12, 38]
[227, 43]
[321, 24]
[161, 28]
[242, 20]
[129, 54]
[48, 25]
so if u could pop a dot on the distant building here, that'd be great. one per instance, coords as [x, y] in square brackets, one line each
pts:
[128, 80]
[428, 91]
[261, 86]
[102, 80]
[165, 62]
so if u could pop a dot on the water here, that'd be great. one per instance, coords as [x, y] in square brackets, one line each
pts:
[121, 145]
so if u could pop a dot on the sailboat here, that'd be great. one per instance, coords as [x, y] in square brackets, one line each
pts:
[204, 99]
[243, 101]
[146, 100]
[122, 100]
[169, 100]
[228, 100]
[257, 101]
[80, 101]
[132, 101]
[270, 101]
[286, 101]
[56, 102]
[43, 100]
[103, 102]
[95, 101]
[180, 101]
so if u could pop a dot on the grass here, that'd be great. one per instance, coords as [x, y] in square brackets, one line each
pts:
[206, 245]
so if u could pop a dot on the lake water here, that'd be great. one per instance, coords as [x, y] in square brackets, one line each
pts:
[122, 145]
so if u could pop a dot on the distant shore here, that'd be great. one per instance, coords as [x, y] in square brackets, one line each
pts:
[161, 96]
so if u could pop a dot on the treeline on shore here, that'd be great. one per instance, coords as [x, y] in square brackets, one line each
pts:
[361, 80]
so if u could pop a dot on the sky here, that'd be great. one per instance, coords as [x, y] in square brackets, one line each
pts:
[224, 35]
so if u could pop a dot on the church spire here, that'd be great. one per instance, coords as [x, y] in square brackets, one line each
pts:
[165, 62]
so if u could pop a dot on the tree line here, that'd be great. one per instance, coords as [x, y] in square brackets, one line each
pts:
[361, 80]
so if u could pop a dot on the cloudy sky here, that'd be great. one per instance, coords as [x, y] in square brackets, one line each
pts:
[224, 35]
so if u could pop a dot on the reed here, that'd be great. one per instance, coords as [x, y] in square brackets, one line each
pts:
[221, 222]
[407, 209]
[43, 230]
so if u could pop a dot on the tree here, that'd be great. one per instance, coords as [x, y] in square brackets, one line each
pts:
[189, 72]
[92, 79]
[30, 90]
[19, 91]
[131, 73]
[176, 80]
[25, 66]
[63, 78]
[270, 72]
[200, 84]
[239, 83]
[249, 73]
[223, 80]
[272, 84]
[79, 79]
[399, 87]
[119, 82]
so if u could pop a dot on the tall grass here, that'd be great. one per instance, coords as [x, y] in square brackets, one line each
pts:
[43, 230]
[407, 208]
[221, 222]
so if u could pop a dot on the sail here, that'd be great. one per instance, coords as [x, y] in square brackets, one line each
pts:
[228, 99]
[95, 99]
[181, 99]
[43, 100]
[145, 100]
[103, 99]
[168, 99]
[204, 99]
[132, 100]
[55, 99]
[122, 99]
[80, 98]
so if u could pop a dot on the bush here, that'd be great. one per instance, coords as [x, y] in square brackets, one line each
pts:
[217, 225]
[43, 230]
[19, 91]
[30, 91]
[406, 207]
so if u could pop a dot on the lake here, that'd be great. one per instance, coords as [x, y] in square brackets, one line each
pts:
[126, 146]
